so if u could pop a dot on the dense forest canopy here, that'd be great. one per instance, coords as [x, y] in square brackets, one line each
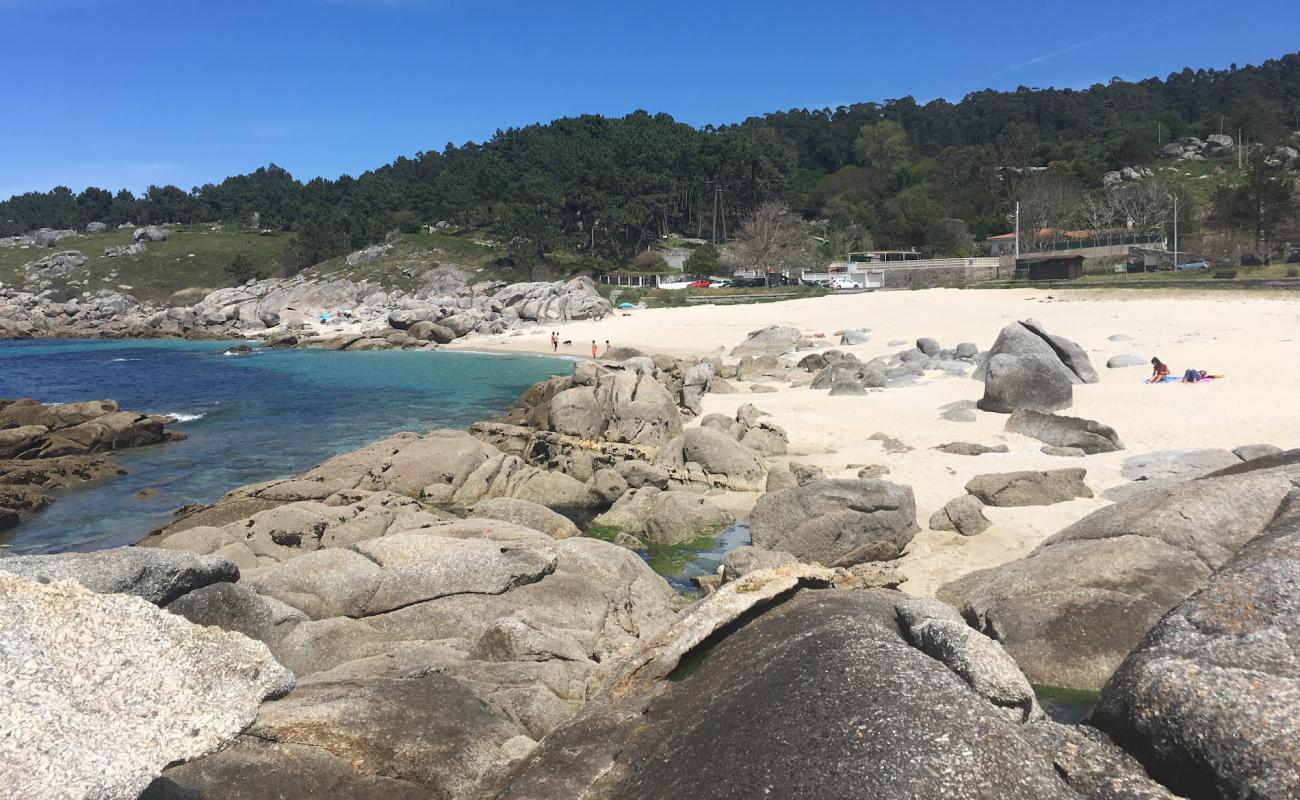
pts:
[896, 174]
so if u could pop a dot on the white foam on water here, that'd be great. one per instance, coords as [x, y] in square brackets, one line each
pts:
[184, 417]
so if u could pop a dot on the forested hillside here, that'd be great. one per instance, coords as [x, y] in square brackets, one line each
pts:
[603, 189]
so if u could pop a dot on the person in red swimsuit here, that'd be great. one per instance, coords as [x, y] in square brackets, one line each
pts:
[1159, 371]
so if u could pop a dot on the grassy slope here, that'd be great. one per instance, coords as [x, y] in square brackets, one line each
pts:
[191, 258]
[417, 249]
[193, 261]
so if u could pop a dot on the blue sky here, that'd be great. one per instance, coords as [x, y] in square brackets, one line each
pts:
[124, 93]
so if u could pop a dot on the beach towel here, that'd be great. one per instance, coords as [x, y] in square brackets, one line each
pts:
[1172, 379]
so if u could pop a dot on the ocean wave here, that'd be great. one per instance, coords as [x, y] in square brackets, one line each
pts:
[119, 360]
[184, 417]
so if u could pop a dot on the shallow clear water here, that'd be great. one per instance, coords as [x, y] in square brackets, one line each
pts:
[252, 418]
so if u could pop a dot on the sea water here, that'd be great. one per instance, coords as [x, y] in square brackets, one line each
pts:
[248, 418]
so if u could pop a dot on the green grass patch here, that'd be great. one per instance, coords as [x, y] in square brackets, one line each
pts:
[193, 257]
[409, 255]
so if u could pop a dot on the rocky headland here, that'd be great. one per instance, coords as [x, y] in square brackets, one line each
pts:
[440, 304]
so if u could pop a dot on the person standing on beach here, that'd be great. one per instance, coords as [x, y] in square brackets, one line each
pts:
[555, 342]
[593, 348]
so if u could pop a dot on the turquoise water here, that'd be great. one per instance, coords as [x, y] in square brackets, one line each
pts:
[251, 418]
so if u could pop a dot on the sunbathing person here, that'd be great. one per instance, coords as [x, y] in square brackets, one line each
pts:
[1159, 371]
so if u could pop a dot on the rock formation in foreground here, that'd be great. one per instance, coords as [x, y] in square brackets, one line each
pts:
[1210, 700]
[1071, 610]
[773, 687]
[102, 691]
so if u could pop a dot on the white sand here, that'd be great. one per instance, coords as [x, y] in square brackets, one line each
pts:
[1252, 339]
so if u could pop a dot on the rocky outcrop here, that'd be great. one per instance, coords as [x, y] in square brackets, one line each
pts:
[1208, 700]
[836, 522]
[442, 304]
[429, 656]
[618, 405]
[47, 447]
[107, 690]
[1071, 610]
[749, 719]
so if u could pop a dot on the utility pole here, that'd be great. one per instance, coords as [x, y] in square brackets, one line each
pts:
[715, 213]
[724, 215]
[1175, 233]
[1017, 249]
[1239, 145]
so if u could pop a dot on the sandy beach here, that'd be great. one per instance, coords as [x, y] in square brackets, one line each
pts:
[1251, 339]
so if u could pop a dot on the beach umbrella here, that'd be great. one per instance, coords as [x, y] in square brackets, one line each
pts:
[626, 305]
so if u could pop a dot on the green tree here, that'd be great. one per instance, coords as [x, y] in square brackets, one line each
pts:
[948, 238]
[703, 260]
[650, 262]
[1265, 200]
[241, 270]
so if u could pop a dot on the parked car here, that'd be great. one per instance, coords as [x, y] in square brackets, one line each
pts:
[1199, 264]
[1293, 257]
[843, 283]
[720, 284]
[699, 284]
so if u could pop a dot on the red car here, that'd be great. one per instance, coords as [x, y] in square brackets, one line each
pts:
[699, 285]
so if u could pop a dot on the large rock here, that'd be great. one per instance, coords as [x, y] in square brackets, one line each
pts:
[877, 717]
[719, 454]
[1210, 700]
[151, 233]
[1071, 610]
[1024, 339]
[1031, 381]
[664, 518]
[773, 340]
[158, 576]
[619, 406]
[1062, 431]
[836, 522]
[1071, 354]
[103, 691]
[1030, 487]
